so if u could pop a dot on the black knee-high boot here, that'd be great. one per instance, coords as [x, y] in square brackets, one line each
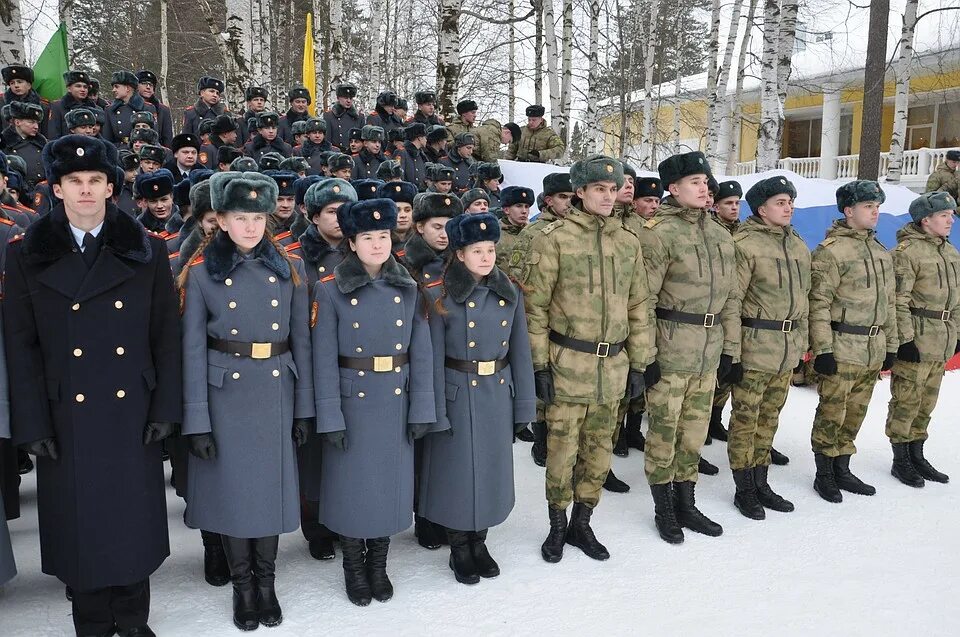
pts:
[239, 554]
[215, 569]
[265, 568]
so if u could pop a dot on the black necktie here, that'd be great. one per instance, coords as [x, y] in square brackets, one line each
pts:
[90, 249]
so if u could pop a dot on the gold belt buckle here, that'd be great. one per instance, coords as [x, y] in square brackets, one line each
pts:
[874, 330]
[486, 368]
[708, 320]
[382, 363]
[260, 351]
[787, 326]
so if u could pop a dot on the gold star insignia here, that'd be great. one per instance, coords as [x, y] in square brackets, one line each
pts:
[609, 168]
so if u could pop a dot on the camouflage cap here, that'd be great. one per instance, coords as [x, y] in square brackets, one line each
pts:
[760, 192]
[676, 167]
[596, 168]
[930, 204]
[854, 192]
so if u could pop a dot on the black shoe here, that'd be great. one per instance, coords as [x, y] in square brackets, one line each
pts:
[902, 468]
[631, 428]
[707, 468]
[239, 555]
[24, 463]
[215, 569]
[689, 516]
[322, 549]
[139, 631]
[745, 498]
[486, 565]
[847, 481]
[380, 586]
[923, 467]
[580, 535]
[245, 615]
[621, 449]
[778, 458]
[539, 448]
[426, 533]
[552, 548]
[525, 435]
[264, 569]
[615, 484]
[825, 483]
[767, 496]
[665, 517]
[716, 430]
[355, 571]
[461, 559]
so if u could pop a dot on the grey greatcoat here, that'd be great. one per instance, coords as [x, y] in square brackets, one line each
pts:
[466, 480]
[423, 262]
[366, 491]
[8, 568]
[339, 121]
[250, 488]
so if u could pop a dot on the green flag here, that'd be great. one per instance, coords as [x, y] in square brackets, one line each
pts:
[51, 65]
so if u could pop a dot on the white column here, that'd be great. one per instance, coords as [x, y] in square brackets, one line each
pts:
[830, 133]
[723, 135]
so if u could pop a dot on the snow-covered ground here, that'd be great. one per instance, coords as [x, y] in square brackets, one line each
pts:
[882, 565]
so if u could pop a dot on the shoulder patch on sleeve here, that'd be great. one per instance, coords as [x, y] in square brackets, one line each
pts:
[553, 225]
[652, 223]
[328, 278]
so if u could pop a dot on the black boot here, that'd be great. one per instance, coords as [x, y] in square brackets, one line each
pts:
[716, 430]
[426, 533]
[902, 468]
[239, 554]
[778, 458]
[635, 437]
[265, 568]
[539, 448]
[380, 585]
[746, 497]
[825, 484]
[552, 547]
[707, 468]
[621, 449]
[846, 480]
[486, 566]
[215, 569]
[525, 435]
[689, 516]
[923, 467]
[615, 484]
[665, 513]
[767, 496]
[580, 535]
[461, 559]
[321, 547]
[355, 570]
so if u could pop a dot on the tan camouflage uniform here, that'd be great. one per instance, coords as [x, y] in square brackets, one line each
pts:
[944, 178]
[547, 144]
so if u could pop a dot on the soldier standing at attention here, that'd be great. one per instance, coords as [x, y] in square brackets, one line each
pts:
[266, 139]
[927, 268]
[299, 98]
[586, 299]
[853, 333]
[538, 142]
[646, 196]
[516, 201]
[366, 162]
[147, 88]
[945, 177]
[207, 107]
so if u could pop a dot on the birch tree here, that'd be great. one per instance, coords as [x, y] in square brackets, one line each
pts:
[591, 122]
[162, 90]
[718, 102]
[448, 57]
[647, 126]
[11, 33]
[230, 44]
[567, 70]
[553, 74]
[377, 8]
[713, 59]
[902, 103]
[771, 112]
[737, 115]
[335, 39]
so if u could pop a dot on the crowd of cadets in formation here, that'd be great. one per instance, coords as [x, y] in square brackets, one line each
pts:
[625, 296]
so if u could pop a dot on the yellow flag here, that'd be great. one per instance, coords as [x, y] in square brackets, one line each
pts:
[309, 70]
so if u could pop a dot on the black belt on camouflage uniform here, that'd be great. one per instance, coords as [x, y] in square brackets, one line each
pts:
[703, 320]
[259, 351]
[859, 330]
[766, 324]
[937, 315]
[601, 350]
[373, 363]
[480, 368]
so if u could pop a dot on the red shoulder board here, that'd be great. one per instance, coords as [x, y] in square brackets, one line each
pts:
[23, 208]
[283, 235]
[171, 236]
[16, 238]
[174, 255]
[400, 253]
[155, 235]
[434, 284]
[295, 256]
[7, 222]
[293, 246]
[328, 278]
[197, 260]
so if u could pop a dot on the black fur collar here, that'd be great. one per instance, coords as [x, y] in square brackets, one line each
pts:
[136, 103]
[174, 222]
[11, 138]
[314, 246]
[366, 156]
[70, 103]
[293, 116]
[350, 274]
[276, 144]
[419, 253]
[221, 257]
[150, 222]
[31, 97]
[203, 108]
[309, 149]
[339, 110]
[460, 284]
[49, 237]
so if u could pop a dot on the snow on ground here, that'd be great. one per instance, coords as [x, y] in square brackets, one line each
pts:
[882, 565]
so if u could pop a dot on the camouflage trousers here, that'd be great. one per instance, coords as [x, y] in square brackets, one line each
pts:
[914, 388]
[721, 394]
[579, 447]
[678, 411]
[635, 406]
[843, 404]
[757, 401]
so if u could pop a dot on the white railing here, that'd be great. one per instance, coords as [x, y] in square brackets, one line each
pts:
[917, 164]
[746, 168]
[803, 166]
[847, 166]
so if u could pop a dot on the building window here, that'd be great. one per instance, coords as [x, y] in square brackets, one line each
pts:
[920, 127]
[846, 134]
[948, 125]
[803, 138]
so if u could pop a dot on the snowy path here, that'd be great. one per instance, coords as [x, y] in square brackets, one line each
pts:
[886, 565]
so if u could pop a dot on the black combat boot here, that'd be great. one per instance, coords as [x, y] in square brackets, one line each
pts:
[355, 570]
[825, 484]
[778, 458]
[321, 547]
[846, 480]
[265, 569]
[486, 566]
[215, 569]
[716, 430]
[552, 547]
[707, 468]
[380, 585]
[621, 449]
[767, 496]
[525, 435]
[615, 484]
[923, 466]
[461, 559]
[580, 535]
[665, 514]
[635, 439]
[539, 448]
[745, 498]
[689, 516]
[426, 533]
[239, 554]
[903, 469]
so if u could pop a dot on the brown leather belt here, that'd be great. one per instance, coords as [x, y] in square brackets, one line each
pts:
[767, 324]
[600, 350]
[374, 363]
[937, 315]
[859, 330]
[703, 320]
[480, 368]
[259, 351]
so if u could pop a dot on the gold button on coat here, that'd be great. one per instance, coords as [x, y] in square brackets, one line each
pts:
[275, 326]
[396, 299]
[353, 301]
[118, 305]
[236, 375]
[472, 304]
[75, 307]
[232, 304]
[120, 351]
[471, 324]
[272, 279]
[78, 352]
[80, 398]
[276, 373]
[361, 395]
[397, 391]
[228, 281]
[274, 302]
[502, 302]
[121, 393]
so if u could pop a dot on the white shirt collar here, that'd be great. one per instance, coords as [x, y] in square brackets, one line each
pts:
[78, 233]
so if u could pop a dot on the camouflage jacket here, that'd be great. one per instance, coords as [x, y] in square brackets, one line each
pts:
[521, 243]
[944, 179]
[508, 237]
[852, 282]
[729, 226]
[773, 282]
[547, 144]
[631, 220]
[458, 126]
[488, 141]
[927, 272]
[691, 268]
[583, 277]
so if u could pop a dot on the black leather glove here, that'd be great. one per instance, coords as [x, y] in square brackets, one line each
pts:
[203, 446]
[336, 439]
[651, 375]
[735, 375]
[825, 364]
[417, 430]
[534, 153]
[908, 352]
[301, 430]
[157, 431]
[723, 369]
[888, 361]
[519, 426]
[543, 386]
[43, 448]
[635, 384]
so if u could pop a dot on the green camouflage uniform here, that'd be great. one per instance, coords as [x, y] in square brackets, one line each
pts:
[583, 277]
[543, 140]
[691, 268]
[508, 237]
[722, 392]
[633, 223]
[852, 282]
[773, 283]
[928, 277]
[945, 179]
[458, 126]
[488, 141]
